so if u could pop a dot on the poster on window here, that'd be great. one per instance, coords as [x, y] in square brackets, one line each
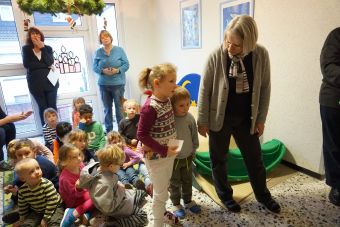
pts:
[190, 24]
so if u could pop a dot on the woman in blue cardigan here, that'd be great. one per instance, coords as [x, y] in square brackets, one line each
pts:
[38, 59]
[110, 64]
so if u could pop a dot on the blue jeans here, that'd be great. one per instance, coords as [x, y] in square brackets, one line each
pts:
[109, 94]
[144, 172]
[128, 175]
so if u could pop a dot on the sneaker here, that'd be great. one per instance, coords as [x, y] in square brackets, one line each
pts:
[179, 211]
[86, 218]
[170, 219]
[11, 217]
[149, 190]
[193, 207]
[68, 218]
[271, 205]
[5, 166]
[232, 205]
[128, 186]
[334, 196]
[139, 184]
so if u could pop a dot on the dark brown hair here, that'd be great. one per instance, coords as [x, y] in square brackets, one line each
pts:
[29, 33]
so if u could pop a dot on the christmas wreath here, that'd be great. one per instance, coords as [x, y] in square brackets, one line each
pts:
[80, 7]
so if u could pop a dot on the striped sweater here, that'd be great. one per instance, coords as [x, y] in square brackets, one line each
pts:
[49, 134]
[42, 199]
[156, 127]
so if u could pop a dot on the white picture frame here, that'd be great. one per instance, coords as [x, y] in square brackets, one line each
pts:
[190, 17]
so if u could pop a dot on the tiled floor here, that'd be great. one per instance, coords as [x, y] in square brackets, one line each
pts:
[303, 200]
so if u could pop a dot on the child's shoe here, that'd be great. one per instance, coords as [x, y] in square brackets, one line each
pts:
[128, 186]
[179, 211]
[11, 217]
[170, 218]
[68, 218]
[86, 218]
[193, 207]
[139, 184]
[149, 190]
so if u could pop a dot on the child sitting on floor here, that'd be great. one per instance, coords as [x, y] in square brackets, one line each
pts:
[77, 200]
[49, 133]
[39, 202]
[128, 126]
[126, 173]
[108, 195]
[62, 129]
[77, 102]
[78, 138]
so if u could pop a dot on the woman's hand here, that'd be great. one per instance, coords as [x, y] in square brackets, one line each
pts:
[108, 72]
[38, 43]
[172, 151]
[259, 128]
[203, 130]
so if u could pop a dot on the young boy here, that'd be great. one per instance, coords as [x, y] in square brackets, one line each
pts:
[62, 129]
[22, 149]
[93, 129]
[181, 179]
[39, 202]
[128, 126]
[109, 196]
[51, 120]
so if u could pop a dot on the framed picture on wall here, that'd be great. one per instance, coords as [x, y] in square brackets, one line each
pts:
[190, 11]
[232, 8]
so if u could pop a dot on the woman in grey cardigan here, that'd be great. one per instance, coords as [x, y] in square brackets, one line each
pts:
[234, 99]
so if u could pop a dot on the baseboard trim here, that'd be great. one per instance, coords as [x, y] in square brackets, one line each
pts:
[303, 170]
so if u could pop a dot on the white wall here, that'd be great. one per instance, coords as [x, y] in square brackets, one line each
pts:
[293, 32]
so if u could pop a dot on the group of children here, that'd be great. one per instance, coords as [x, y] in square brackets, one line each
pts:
[85, 170]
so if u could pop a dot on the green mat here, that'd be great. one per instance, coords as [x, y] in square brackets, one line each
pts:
[272, 153]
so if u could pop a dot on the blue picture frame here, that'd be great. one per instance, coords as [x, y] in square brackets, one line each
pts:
[190, 11]
[232, 8]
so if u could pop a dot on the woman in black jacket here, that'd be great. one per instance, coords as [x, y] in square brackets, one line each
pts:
[38, 59]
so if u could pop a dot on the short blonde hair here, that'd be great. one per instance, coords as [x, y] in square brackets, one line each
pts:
[130, 102]
[104, 33]
[148, 75]
[110, 154]
[180, 94]
[245, 28]
[22, 166]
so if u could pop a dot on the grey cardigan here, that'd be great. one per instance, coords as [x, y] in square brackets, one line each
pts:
[214, 87]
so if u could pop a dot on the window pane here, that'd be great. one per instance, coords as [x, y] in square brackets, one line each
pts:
[109, 13]
[65, 112]
[17, 101]
[9, 43]
[70, 60]
[46, 19]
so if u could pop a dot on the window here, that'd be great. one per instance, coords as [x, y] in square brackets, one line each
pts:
[107, 20]
[46, 19]
[9, 43]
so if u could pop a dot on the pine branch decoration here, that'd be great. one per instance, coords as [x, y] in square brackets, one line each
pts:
[81, 7]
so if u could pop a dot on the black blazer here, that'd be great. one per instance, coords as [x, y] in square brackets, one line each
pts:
[37, 70]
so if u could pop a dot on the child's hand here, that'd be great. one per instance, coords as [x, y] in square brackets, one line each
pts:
[146, 148]
[172, 151]
[17, 224]
[11, 189]
[134, 142]
[77, 184]
[126, 165]
[43, 223]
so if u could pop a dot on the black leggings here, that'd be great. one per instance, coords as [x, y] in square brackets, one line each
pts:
[7, 133]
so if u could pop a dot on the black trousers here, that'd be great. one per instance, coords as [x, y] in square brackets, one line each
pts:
[250, 148]
[7, 133]
[330, 118]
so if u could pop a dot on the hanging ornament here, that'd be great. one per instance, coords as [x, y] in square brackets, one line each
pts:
[70, 21]
[26, 24]
[105, 23]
